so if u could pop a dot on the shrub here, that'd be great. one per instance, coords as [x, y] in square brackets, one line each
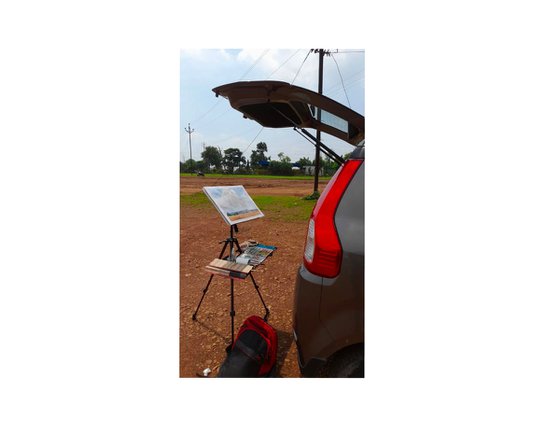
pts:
[280, 168]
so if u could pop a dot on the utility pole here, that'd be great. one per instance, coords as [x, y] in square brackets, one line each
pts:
[190, 131]
[318, 141]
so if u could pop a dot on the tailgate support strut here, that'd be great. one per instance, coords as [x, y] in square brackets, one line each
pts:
[324, 148]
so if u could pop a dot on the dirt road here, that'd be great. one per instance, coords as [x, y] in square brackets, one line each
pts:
[203, 342]
[272, 187]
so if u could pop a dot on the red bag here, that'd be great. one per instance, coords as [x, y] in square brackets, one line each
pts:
[254, 351]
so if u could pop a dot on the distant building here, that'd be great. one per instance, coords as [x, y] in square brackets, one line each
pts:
[309, 170]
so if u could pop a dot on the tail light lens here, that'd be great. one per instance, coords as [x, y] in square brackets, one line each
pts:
[323, 251]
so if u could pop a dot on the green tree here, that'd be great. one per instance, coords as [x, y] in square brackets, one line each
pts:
[189, 166]
[258, 155]
[277, 168]
[244, 167]
[304, 161]
[329, 166]
[233, 158]
[212, 157]
[201, 165]
[284, 158]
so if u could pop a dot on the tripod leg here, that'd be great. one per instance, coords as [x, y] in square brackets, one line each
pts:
[260, 297]
[204, 291]
[237, 245]
[224, 247]
[232, 311]
[256, 286]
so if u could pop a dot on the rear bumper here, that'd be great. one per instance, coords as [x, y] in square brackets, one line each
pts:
[312, 367]
[327, 317]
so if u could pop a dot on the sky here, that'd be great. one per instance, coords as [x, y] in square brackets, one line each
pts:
[216, 123]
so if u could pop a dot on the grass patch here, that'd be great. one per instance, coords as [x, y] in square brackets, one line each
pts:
[285, 208]
[276, 208]
[195, 200]
[255, 176]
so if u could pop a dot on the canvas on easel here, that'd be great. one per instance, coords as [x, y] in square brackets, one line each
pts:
[234, 203]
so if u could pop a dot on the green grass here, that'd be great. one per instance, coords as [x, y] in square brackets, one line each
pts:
[276, 208]
[195, 200]
[255, 176]
[285, 208]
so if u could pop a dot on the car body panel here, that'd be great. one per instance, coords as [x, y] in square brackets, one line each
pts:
[342, 303]
[329, 313]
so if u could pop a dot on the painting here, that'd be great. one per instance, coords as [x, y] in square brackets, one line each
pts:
[234, 203]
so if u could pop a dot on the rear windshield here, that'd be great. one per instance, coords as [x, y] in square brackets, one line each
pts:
[334, 121]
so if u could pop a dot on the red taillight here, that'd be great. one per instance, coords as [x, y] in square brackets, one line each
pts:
[323, 252]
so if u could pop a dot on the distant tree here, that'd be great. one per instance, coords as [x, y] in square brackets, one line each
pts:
[233, 158]
[189, 166]
[201, 165]
[212, 156]
[283, 158]
[329, 166]
[277, 168]
[244, 167]
[304, 161]
[281, 167]
[258, 155]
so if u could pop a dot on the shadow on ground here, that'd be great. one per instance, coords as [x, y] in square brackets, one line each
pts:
[285, 341]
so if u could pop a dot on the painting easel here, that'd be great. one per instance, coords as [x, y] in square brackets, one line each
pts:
[232, 244]
[235, 206]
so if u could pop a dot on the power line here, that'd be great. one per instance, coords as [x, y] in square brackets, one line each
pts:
[349, 79]
[207, 112]
[249, 145]
[218, 102]
[255, 63]
[233, 136]
[283, 63]
[337, 89]
[341, 80]
[348, 51]
[242, 76]
[308, 53]
[214, 118]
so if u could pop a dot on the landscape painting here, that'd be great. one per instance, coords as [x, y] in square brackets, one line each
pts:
[234, 203]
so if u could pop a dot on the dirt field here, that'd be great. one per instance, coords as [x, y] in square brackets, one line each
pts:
[203, 342]
[273, 187]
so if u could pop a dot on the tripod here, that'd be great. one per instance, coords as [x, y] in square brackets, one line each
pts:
[231, 243]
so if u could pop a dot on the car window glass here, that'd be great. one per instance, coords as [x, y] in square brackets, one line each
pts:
[332, 120]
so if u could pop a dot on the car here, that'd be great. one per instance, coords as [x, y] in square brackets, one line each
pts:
[328, 312]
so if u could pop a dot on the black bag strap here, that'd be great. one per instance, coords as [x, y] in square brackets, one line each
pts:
[248, 351]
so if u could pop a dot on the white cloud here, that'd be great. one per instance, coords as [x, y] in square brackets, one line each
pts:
[207, 56]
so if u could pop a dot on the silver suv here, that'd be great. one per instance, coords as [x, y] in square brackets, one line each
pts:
[328, 318]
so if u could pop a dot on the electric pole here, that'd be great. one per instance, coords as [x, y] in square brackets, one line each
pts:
[318, 141]
[190, 131]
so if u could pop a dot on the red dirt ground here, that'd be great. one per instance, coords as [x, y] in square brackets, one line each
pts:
[203, 342]
[272, 187]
